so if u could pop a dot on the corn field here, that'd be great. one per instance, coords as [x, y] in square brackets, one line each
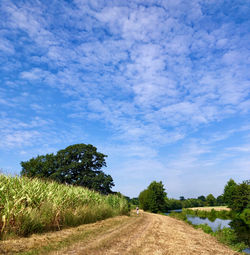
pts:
[34, 206]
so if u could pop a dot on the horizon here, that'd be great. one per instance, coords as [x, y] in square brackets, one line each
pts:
[161, 87]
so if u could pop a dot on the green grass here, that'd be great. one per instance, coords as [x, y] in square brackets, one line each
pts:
[30, 206]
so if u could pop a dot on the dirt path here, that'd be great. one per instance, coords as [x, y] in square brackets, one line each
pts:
[137, 235]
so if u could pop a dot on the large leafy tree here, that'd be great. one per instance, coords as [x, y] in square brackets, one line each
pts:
[210, 199]
[240, 197]
[228, 191]
[153, 198]
[78, 164]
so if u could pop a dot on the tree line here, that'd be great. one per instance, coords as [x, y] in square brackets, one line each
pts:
[235, 196]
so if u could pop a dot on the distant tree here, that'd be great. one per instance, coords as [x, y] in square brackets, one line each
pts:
[182, 198]
[228, 191]
[210, 199]
[153, 198]
[173, 204]
[134, 201]
[78, 164]
[202, 198]
[220, 200]
[144, 200]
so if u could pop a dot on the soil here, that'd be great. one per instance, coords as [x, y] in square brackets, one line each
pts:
[147, 233]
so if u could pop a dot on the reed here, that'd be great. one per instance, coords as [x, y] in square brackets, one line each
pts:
[30, 206]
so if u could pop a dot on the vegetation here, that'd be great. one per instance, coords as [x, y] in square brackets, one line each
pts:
[211, 215]
[228, 191]
[33, 206]
[211, 201]
[153, 198]
[227, 236]
[78, 164]
[240, 199]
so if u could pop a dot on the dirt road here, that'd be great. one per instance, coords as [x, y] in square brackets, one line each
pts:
[144, 234]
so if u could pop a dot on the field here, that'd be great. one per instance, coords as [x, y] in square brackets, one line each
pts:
[146, 234]
[209, 208]
[30, 206]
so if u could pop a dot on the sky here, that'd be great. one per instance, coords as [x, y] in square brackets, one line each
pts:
[161, 87]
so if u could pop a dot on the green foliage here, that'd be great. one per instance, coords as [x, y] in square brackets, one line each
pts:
[153, 198]
[78, 164]
[202, 198]
[228, 191]
[207, 229]
[242, 228]
[33, 206]
[245, 216]
[240, 197]
[210, 200]
[220, 200]
[213, 214]
[228, 236]
[179, 216]
[172, 204]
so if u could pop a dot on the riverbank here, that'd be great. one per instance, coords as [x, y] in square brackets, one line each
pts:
[210, 208]
[144, 234]
[224, 225]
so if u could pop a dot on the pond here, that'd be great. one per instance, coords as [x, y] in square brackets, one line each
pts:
[215, 225]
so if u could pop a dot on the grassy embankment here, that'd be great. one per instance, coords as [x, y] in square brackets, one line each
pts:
[30, 206]
[225, 235]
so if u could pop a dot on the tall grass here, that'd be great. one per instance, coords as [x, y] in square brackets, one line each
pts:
[33, 206]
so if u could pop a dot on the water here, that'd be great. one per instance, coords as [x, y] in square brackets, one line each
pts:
[247, 250]
[242, 229]
[176, 210]
[216, 224]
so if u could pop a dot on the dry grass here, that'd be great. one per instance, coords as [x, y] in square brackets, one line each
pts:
[209, 208]
[147, 233]
[42, 244]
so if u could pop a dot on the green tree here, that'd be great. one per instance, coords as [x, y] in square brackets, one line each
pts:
[134, 201]
[202, 198]
[173, 204]
[228, 192]
[153, 198]
[144, 200]
[220, 200]
[211, 201]
[78, 164]
[241, 197]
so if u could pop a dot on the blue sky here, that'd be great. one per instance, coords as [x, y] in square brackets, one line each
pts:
[161, 87]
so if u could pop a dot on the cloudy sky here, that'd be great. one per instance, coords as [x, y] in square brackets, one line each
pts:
[161, 87]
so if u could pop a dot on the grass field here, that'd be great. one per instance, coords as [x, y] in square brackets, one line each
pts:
[209, 208]
[30, 206]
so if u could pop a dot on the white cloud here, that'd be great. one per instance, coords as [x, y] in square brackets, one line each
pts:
[152, 73]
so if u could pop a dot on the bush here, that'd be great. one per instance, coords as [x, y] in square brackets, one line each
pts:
[229, 237]
[205, 228]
